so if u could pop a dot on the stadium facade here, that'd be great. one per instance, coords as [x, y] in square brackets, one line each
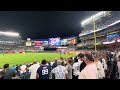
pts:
[107, 29]
[9, 44]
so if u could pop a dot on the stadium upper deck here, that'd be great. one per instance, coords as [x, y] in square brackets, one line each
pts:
[105, 26]
[110, 19]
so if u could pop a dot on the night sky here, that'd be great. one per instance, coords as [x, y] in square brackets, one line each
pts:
[43, 24]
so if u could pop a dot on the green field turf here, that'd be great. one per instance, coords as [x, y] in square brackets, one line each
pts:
[13, 59]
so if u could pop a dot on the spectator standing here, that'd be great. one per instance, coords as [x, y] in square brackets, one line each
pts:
[69, 68]
[54, 64]
[79, 56]
[17, 67]
[60, 71]
[23, 70]
[33, 70]
[43, 71]
[76, 69]
[101, 72]
[14, 68]
[90, 71]
[8, 73]
[81, 62]
[1, 75]
[118, 64]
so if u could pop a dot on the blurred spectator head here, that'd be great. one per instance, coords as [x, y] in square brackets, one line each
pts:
[55, 60]
[96, 56]
[63, 64]
[6, 66]
[80, 56]
[43, 62]
[75, 59]
[88, 58]
[68, 61]
[59, 62]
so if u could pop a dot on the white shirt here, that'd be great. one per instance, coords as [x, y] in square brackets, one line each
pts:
[76, 68]
[118, 54]
[89, 72]
[100, 69]
[23, 68]
[118, 63]
[60, 72]
[33, 70]
[51, 63]
[79, 61]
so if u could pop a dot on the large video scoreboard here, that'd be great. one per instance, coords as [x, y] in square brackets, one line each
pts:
[54, 41]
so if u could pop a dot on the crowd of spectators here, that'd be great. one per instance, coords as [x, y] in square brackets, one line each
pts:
[87, 64]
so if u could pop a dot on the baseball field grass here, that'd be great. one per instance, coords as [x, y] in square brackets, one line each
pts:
[17, 59]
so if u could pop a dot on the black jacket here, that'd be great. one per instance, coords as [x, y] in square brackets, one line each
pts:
[82, 66]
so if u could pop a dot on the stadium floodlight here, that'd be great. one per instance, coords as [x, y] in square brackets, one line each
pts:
[96, 16]
[13, 34]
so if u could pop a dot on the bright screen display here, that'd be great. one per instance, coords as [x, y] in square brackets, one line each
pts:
[54, 41]
[64, 42]
[71, 41]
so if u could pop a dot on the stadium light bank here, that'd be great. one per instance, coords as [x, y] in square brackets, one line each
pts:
[96, 16]
[93, 18]
[12, 34]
